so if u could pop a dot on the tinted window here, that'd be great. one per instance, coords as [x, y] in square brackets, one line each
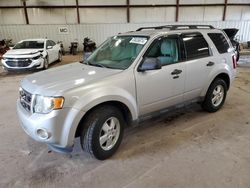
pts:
[196, 46]
[29, 45]
[52, 43]
[165, 49]
[47, 43]
[220, 42]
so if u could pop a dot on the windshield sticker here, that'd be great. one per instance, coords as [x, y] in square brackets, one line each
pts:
[138, 40]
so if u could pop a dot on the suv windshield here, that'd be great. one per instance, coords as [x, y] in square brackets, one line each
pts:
[29, 45]
[117, 52]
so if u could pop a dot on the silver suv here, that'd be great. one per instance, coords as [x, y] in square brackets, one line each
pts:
[128, 77]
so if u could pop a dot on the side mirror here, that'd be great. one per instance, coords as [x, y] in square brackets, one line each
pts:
[49, 47]
[149, 64]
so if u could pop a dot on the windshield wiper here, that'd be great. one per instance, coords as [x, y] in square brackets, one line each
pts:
[96, 64]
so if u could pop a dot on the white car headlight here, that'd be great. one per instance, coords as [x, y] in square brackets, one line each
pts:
[44, 105]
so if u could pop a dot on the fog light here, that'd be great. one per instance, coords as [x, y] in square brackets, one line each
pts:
[42, 133]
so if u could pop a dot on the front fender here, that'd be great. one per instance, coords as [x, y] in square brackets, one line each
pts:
[101, 95]
[95, 97]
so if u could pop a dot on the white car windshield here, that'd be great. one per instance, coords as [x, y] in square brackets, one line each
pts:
[29, 45]
[117, 52]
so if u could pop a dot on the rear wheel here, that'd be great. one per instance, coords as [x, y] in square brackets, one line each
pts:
[103, 131]
[215, 96]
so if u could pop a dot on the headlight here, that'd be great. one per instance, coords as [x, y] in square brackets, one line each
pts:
[37, 57]
[44, 105]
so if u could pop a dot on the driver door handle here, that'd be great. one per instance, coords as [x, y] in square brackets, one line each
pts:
[210, 63]
[176, 72]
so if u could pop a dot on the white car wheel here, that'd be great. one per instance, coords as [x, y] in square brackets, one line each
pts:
[46, 63]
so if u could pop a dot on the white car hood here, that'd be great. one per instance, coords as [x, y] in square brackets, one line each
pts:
[20, 52]
[57, 80]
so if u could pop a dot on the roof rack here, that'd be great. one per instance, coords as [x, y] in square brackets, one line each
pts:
[176, 27]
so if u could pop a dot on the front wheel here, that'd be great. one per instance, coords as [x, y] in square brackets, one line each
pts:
[215, 96]
[103, 131]
[46, 63]
[59, 59]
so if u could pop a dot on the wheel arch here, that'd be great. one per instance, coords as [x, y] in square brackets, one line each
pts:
[126, 112]
[225, 77]
[222, 75]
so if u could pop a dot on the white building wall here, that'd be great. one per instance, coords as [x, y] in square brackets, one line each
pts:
[150, 2]
[102, 2]
[49, 2]
[99, 32]
[99, 23]
[141, 15]
[119, 15]
[103, 15]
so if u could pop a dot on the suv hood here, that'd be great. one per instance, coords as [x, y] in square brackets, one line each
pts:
[57, 80]
[231, 32]
[22, 52]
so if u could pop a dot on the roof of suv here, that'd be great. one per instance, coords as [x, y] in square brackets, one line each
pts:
[151, 31]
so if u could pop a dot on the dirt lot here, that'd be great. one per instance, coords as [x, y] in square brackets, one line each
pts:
[190, 148]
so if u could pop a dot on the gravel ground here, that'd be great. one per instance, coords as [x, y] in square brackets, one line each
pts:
[188, 148]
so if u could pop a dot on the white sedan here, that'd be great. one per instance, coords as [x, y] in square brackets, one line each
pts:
[32, 54]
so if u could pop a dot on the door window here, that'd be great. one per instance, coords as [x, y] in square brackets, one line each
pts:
[196, 46]
[220, 42]
[165, 50]
[52, 43]
[47, 44]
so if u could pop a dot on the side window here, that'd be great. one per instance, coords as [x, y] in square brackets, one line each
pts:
[47, 43]
[52, 43]
[196, 46]
[220, 42]
[164, 49]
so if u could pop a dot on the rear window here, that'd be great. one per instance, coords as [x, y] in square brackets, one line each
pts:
[196, 46]
[220, 42]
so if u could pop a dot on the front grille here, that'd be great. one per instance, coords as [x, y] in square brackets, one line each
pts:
[21, 62]
[25, 99]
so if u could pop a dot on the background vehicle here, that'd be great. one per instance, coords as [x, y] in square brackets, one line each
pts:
[4, 46]
[88, 47]
[231, 32]
[128, 77]
[32, 54]
[73, 48]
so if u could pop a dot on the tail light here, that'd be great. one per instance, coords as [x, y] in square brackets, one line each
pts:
[234, 61]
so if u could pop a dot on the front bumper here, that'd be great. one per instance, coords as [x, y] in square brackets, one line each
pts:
[55, 123]
[35, 64]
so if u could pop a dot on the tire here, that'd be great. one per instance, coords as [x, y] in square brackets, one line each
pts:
[59, 57]
[46, 63]
[216, 95]
[105, 122]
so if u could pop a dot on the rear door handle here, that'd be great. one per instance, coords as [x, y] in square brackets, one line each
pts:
[176, 71]
[210, 63]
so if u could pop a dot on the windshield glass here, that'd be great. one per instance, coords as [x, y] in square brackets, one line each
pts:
[29, 45]
[117, 52]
